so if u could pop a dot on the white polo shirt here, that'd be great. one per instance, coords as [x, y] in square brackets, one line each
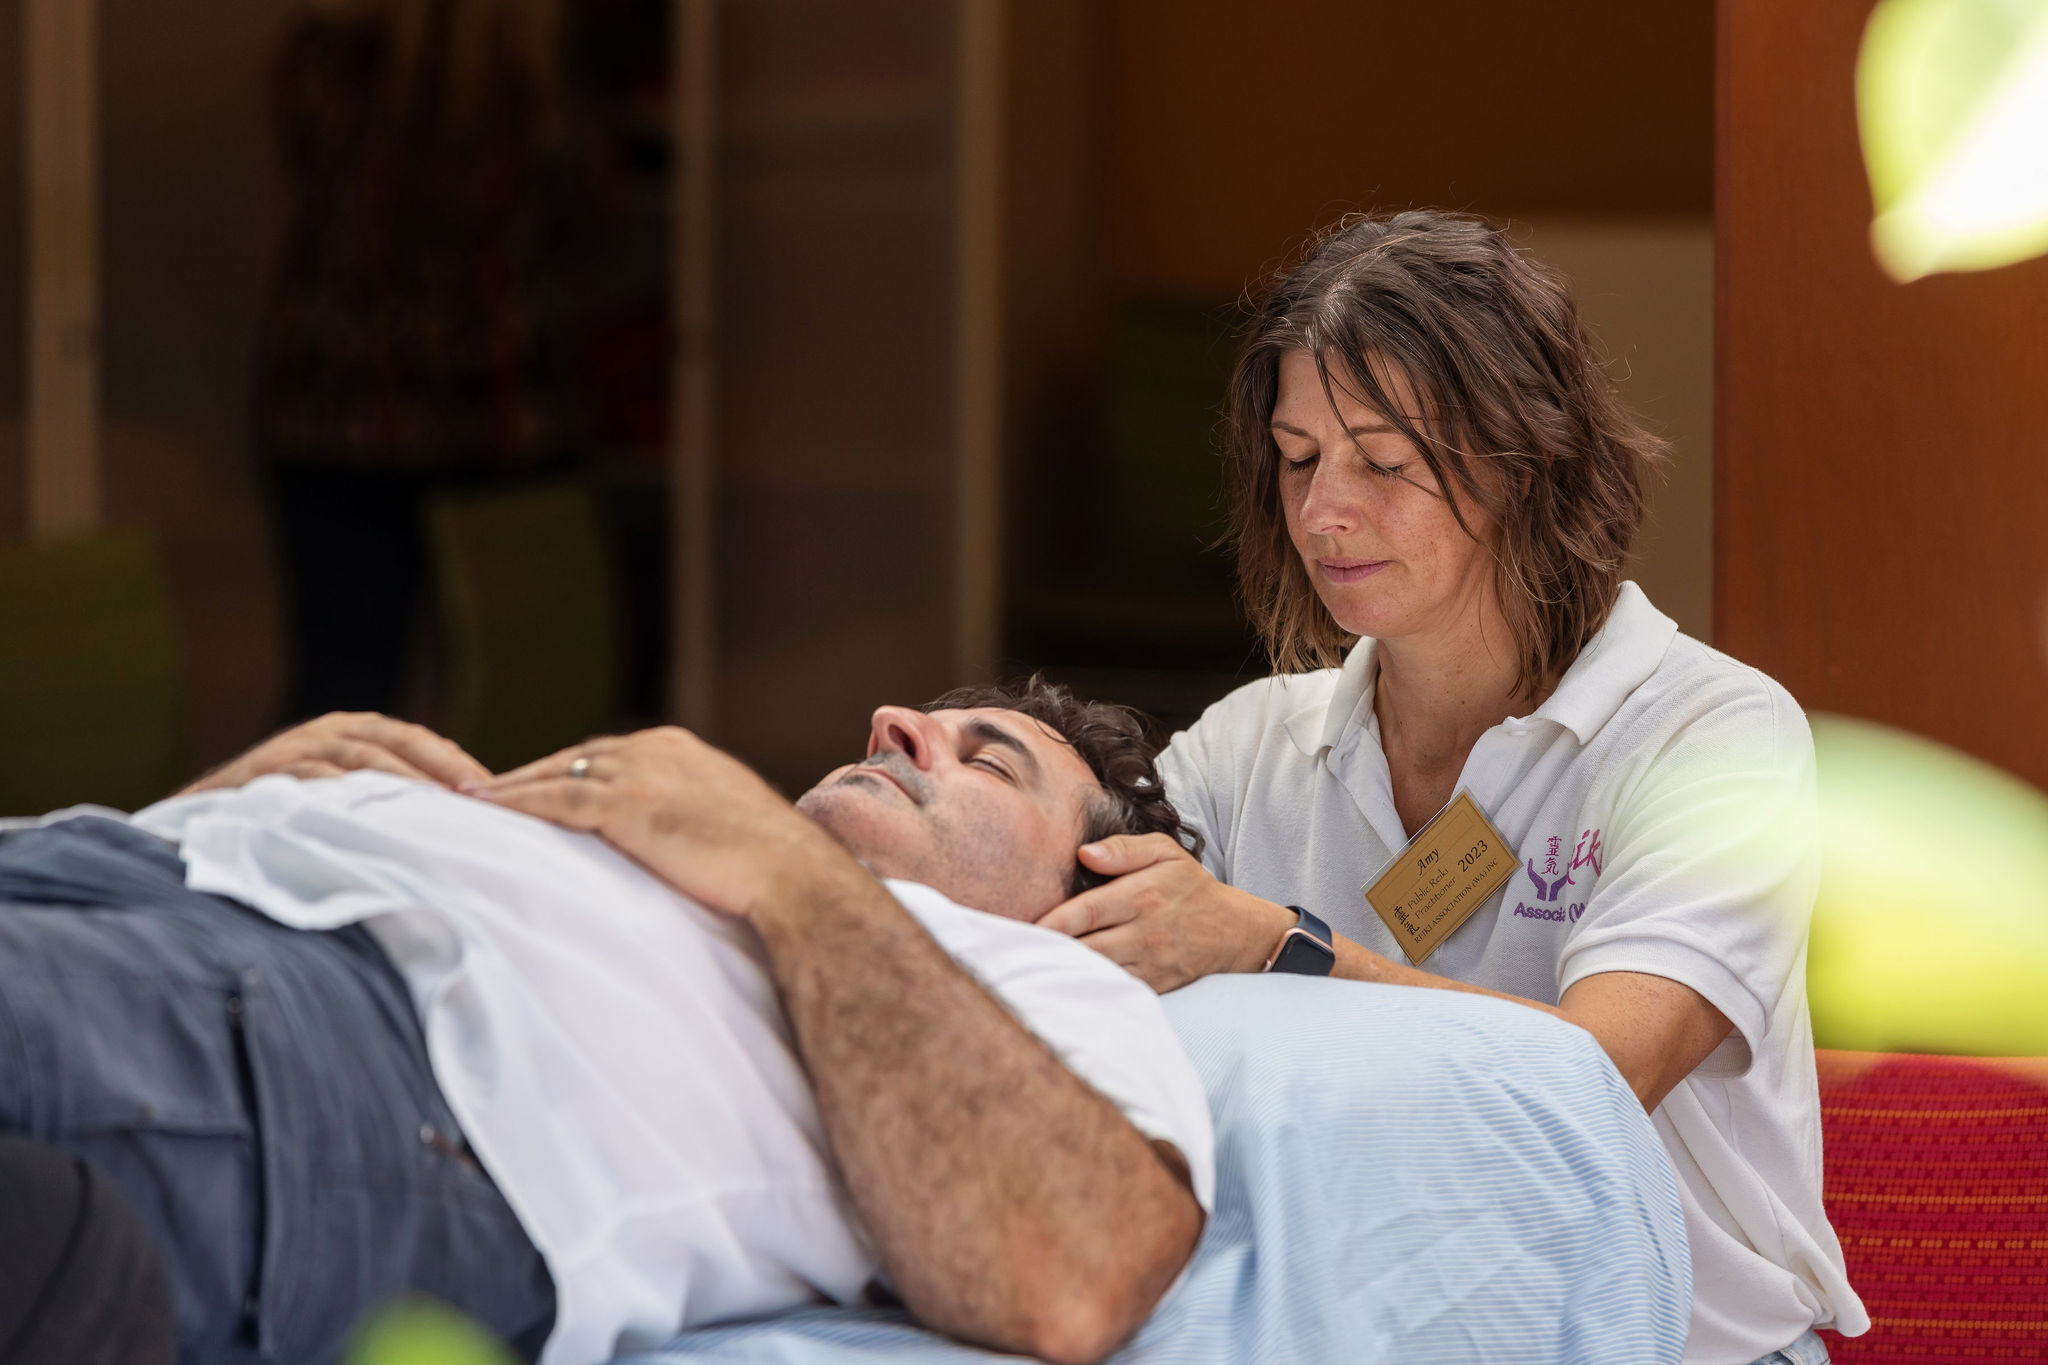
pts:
[1661, 803]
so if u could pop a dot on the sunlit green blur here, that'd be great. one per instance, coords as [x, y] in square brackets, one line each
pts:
[1952, 99]
[423, 1332]
[1931, 930]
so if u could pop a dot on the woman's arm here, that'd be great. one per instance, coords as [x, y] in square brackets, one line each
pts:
[1653, 1029]
[1166, 920]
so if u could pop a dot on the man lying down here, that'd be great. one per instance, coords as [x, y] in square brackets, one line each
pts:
[595, 1090]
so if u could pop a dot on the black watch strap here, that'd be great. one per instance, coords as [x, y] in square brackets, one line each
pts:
[1306, 949]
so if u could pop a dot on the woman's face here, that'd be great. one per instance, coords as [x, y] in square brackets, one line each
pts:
[1377, 538]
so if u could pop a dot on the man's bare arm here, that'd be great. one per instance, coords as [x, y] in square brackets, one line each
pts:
[1010, 1203]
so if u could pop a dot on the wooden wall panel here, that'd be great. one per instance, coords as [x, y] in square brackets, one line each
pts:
[1234, 128]
[60, 50]
[839, 371]
[13, 300]
[1881, 498]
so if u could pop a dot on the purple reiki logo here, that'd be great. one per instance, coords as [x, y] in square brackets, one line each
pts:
[1556, 874]
[1547, 890]
[1551, 881]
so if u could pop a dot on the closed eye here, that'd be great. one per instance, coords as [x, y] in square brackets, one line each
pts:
[996, 766]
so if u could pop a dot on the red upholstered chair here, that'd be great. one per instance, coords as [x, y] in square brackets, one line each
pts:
[1937, 1183]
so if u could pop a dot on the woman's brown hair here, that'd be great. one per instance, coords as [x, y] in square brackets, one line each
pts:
[1490, 344]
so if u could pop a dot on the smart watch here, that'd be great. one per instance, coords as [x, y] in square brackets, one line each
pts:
[1305, 949]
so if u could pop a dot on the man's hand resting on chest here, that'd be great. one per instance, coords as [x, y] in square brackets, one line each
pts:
[694, 816]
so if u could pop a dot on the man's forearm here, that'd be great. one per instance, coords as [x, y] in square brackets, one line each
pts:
[1010, 1203]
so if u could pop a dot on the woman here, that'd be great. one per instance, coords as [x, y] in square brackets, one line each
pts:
[1428, 459]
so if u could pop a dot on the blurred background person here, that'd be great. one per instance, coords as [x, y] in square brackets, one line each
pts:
[423, 310]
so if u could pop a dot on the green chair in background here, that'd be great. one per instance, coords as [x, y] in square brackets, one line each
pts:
[90, 700]
[527, 600]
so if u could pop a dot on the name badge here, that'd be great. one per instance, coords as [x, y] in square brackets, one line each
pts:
[1446, 872]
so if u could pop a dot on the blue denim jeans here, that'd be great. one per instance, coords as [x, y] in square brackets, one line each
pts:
[262, 1096]
[1808, 1350]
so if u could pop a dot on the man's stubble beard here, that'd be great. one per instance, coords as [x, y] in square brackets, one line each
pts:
[823, 804]
[971, 865]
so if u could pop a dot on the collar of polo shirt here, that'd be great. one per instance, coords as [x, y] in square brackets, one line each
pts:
[1613, 664]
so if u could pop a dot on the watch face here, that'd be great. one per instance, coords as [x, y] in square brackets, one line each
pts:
[1305, 954]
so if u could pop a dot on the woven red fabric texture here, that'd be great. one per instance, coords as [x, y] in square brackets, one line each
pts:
[1937, 1183]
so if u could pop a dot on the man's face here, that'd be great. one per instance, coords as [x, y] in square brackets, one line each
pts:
[985, 806]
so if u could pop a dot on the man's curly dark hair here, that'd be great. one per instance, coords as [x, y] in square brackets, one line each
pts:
[1112, 741]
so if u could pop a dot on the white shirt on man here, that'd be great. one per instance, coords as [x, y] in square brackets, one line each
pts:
[616, 1053]
[1660, 804]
